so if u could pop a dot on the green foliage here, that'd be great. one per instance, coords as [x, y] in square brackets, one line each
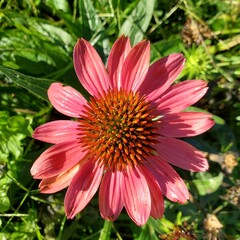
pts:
[13, 130]
[138, 21]
[36, 45]
[35, 85]
[206, 185]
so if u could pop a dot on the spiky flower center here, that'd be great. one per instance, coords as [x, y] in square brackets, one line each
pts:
[118, 129]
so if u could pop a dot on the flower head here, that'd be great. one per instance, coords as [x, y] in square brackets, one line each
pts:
[123, 140]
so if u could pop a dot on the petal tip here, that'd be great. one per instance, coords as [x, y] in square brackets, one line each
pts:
[177, 58]
[34, 134]
[33, 171]
[205, 167]
[70, 213]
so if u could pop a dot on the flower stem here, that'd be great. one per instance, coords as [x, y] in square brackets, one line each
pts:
[106, 231]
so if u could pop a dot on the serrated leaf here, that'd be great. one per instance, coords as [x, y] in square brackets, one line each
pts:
[12, 131]
[138, 21]
[4, 203]
[37, 86]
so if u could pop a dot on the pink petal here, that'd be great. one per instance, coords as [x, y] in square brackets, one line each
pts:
[57, 131]
[157, 202]
[57, 159]
[136, 66]
[90, 69]
[185, 124]
[66, 100]
[181, 95]
[181, 154]
[82, 188]
[59, 182]
[118, 54]
[110, 196]
[171, 184]
[161, 75]
[136, 196]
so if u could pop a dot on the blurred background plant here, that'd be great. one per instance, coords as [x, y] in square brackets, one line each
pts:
[36, 44]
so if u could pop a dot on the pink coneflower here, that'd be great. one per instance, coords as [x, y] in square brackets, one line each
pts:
[123, 140]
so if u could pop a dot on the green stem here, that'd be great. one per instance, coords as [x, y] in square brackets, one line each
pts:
[61, 228]
[106, 231]
[225, 45]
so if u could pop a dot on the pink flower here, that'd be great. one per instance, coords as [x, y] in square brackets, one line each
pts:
[124, 139]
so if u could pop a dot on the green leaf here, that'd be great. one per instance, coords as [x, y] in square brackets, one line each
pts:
[148, 233]
[37, 86]
[14, 146]
[88, 15]
[161, 225]
[12, 131]
[52, 33]
[138, 21]
[16, 122]
[58, 5]
[165, 47]
[43, 51]
[206, 185]
[4, 115]
[35, 45]
[4, 203]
